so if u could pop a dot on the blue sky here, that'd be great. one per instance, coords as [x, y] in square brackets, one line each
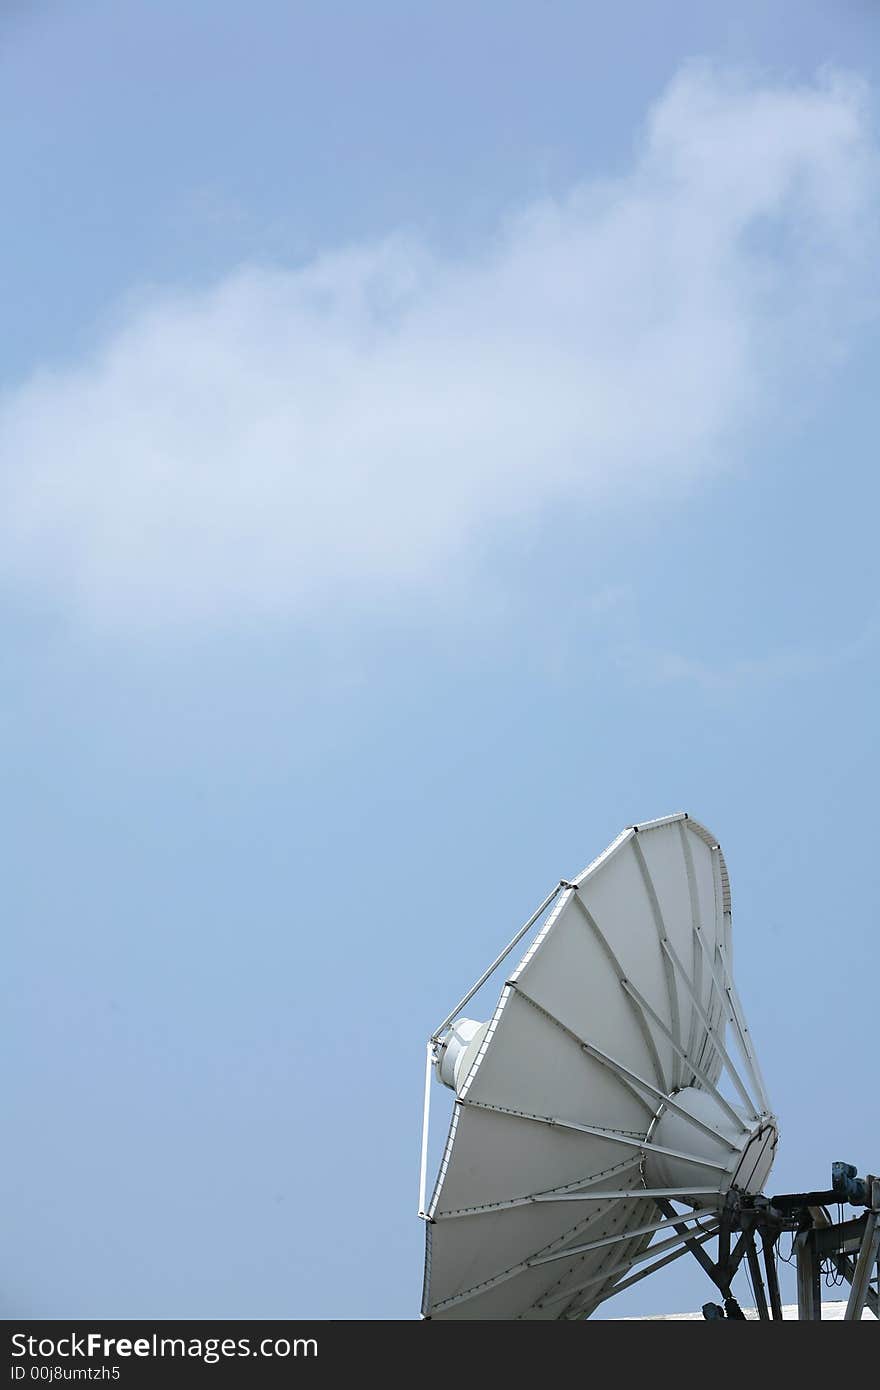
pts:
[432, 437]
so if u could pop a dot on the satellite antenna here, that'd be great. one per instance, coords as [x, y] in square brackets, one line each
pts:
[611, 1115]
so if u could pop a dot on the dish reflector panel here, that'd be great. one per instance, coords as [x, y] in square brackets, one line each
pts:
[595, 1090]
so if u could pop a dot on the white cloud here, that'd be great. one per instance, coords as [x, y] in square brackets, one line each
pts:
[356, 426]
[776, 666]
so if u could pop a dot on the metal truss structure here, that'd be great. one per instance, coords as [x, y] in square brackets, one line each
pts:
[850, 1249]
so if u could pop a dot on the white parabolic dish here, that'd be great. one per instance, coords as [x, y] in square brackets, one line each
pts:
[601, 1086]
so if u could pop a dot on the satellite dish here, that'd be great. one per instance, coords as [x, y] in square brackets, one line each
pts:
[601, 1095]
